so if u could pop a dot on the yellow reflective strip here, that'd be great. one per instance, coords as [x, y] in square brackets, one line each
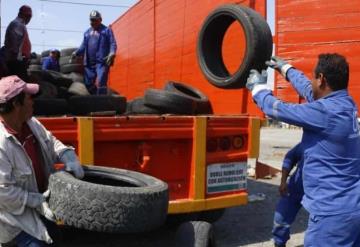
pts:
[85, 140]
[199, 155]
[254, 137]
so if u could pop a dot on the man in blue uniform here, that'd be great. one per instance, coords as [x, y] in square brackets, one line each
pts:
[291, 194]
[98, 48]
[331, 144]
[52, 61]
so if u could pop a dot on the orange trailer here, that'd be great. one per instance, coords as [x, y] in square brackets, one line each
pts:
[202, 158]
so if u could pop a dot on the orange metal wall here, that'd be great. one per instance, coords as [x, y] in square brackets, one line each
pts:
[306, 28]
[157, 42]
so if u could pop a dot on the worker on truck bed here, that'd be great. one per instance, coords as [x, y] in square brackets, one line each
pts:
[27, 155]
[17, 48]
[331, 144]
[98, 48]
[291, 193]
[52, 61]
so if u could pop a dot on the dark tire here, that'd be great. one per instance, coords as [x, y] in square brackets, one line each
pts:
[47, 90]
[68, 68]
[35, 61]
[109, 200]
[35, 67]
[137, 106]
[78, 88]
[67, 51]
[75, 77]
[69, 60]
[57, 78]
[209, 48]
[84, 105]
[195, 234]
[50, 107]
[45, 53]
[169, 102]
[203, 105]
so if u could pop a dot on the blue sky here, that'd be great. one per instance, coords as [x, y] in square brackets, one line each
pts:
[60, 16]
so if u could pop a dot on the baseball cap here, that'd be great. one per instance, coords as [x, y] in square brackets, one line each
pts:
[95, 15]
[11, 86]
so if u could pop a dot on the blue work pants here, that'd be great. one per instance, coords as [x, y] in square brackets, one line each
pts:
[341, 230]
[97, 72]
[26, 240]
[287, 208]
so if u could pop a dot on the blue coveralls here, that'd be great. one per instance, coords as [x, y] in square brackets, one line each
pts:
[331, 172]
[288, 206]
[96, 45]
[50, 63]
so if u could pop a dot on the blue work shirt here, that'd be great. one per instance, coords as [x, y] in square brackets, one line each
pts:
[50, 63]
[106, 45]
[331, 144]
[92, 46]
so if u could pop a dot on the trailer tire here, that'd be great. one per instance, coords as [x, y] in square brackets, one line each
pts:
[84, 105]
[195, 234]
[50, 107]
[209, 48]
[169, 102]
[137, 106]
[109, 200]
[203, 105]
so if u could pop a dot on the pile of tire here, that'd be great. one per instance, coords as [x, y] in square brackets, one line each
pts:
[64, 92]
[176, 98]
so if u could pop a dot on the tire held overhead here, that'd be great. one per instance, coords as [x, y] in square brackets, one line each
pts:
[209, 50]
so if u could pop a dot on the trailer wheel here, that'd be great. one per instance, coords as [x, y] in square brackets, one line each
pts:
[209, 49]
[84, 105]
[169, 102]
[195, 234]
[109, 200]
[203, 105]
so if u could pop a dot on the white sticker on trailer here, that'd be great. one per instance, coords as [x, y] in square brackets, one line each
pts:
[225, 177]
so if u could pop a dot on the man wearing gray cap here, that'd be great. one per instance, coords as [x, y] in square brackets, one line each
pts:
[28, 153]
[98, 48]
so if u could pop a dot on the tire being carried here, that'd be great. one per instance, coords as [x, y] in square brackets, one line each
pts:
[209, 49]
[109, 200]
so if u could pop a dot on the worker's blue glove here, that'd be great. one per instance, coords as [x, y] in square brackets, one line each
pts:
[109, 59]
[256, 81]
[279, 64]
[72, 163]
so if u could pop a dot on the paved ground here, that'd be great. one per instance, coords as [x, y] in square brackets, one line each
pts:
[248, 225]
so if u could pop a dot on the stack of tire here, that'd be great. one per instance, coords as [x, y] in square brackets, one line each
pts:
[176, 98]
[64, 92]
[73, 69]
